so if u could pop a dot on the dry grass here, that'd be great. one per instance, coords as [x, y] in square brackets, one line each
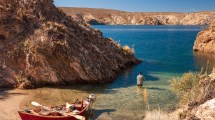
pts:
[145, 96]
[187, 87]
[159, 115]
[193, 87]
[127, 49]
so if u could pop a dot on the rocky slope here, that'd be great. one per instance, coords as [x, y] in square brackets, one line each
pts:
[40, 45]
[105, 16]
[205, 40]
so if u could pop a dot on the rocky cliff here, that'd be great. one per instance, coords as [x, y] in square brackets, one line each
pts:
[105, 16]
[205, 40]
[40, 45]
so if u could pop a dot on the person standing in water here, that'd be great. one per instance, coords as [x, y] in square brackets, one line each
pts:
[140, 80]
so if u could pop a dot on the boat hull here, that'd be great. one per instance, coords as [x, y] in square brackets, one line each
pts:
[26, 116]
[81, 114]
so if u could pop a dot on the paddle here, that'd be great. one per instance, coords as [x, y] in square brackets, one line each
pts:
[76, 116]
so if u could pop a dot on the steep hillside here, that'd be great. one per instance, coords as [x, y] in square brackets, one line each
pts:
[40, 45]
[105, 16]
[205, 40]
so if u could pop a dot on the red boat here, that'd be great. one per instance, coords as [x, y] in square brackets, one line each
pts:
[60, 112]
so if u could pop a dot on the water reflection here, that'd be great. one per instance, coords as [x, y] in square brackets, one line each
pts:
[204, 61]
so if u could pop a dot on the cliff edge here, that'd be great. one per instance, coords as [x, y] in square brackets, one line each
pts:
[40, 45]
[205, 40]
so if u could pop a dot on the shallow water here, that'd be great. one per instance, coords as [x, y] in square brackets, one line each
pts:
[166, 52]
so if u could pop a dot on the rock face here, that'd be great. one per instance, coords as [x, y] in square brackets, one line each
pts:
[205, 40]
[206, 111]
[40, 45]
[202, 108]
[105, 16]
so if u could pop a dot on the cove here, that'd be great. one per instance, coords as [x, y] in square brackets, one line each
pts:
[166, 52]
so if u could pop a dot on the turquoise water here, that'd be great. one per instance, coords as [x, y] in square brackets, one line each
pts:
[166, 52]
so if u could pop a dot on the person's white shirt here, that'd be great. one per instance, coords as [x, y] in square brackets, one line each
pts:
[140, 79]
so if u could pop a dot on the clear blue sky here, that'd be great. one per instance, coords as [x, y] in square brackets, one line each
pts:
[142, 5]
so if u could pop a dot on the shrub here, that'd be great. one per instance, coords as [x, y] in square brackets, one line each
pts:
[187, 87]
[193, 88]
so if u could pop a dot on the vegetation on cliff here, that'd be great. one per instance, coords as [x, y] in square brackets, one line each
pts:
[40, 44]
[194, 89]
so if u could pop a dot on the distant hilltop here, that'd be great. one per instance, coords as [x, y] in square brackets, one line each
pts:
[115, 17]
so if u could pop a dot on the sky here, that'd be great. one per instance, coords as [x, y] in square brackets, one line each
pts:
[142, 5]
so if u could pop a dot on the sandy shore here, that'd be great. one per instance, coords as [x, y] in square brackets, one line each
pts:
[10, 101]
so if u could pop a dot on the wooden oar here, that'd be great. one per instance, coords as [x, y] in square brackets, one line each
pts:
[79, 117]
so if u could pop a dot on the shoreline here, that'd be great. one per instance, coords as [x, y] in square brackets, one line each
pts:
[12, 100]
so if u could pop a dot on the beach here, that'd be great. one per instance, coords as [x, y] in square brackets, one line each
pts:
[13, 100]
[10, 101]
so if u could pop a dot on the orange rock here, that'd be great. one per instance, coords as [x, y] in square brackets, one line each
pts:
[205, 40]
